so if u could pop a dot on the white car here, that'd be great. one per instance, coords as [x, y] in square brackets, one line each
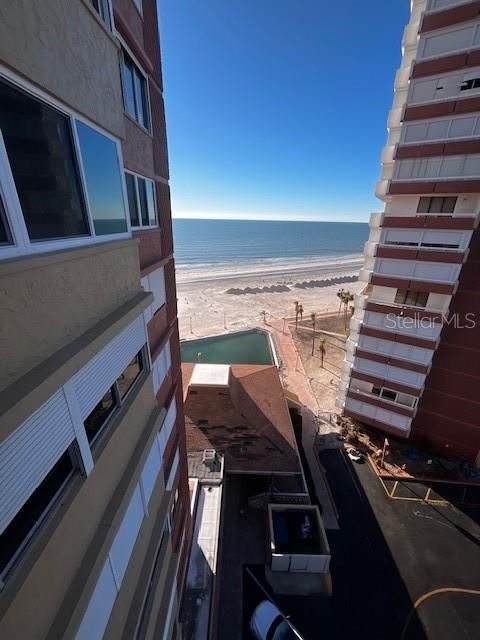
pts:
[268, 623]
[355, 455]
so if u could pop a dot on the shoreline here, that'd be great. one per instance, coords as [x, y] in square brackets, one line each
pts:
[276, 267]
[218, 299]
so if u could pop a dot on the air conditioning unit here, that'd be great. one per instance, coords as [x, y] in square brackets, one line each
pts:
[209, 456]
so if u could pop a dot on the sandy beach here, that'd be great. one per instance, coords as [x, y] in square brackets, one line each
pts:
[214, 299]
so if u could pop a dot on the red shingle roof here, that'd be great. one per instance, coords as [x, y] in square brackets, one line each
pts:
[249, 422]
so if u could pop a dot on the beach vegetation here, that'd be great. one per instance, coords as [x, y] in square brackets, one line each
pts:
[322, 348]
[313, 318]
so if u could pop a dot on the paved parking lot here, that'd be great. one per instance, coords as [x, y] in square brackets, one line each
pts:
[386, 556]
[389, 553]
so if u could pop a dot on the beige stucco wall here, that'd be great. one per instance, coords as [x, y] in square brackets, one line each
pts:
[49, 300]
[50, 584]
[62, 47]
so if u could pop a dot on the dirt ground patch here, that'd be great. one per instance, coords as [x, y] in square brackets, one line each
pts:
[324, 380]
[334, 323]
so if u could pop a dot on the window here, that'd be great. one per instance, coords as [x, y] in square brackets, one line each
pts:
[129, 376]
[97, 420]
[5, 237]
[139, 5]
[437, 205]
[141, 200]
[39, 146]
[173, 509]
[17, 534]
[473, 83]
[411, 298]
[135, 92]
[103, 180]
[103, 10]
[439, 245]
[384, 393]
[389, 395]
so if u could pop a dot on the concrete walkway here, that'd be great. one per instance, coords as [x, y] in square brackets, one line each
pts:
[295, 380]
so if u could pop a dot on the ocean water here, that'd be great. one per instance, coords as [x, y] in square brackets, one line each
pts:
[215, 242]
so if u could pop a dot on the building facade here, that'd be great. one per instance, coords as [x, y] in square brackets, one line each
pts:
[94, 499]
[412, 366]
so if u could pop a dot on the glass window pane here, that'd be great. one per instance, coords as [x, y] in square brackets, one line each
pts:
[128, 86]
[98, 417]
[128, 377]
[140, 98]
[142, 193]
[462, 127]
[5, 237]
[152, 217]
[437, 130]
[132, 199]
[103, 180]
[39, 146]
[35, 508]
[423, 205]
[390, 395]
[449, 203]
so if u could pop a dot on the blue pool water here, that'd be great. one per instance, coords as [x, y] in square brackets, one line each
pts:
[246, 347]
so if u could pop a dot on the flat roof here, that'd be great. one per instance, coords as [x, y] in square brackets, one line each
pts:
[248, 422]
[202, 565]
[210, 375]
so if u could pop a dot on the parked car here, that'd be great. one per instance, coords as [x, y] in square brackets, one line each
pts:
[268, 623]
[355, 455]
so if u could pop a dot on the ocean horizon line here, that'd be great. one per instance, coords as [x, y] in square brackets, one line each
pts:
[294, 220]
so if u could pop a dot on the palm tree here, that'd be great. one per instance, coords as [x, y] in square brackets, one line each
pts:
[340, 294]
[264, 314]
[322, 348]
[300, 311]
[296, 313]
[347, 297]
[313, 317]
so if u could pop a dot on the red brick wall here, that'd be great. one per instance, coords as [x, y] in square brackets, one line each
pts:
[448, 416]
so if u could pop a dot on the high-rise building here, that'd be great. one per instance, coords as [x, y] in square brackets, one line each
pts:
[413, 357]
[94, 500]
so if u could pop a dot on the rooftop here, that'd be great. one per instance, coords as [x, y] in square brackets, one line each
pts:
[248, 422]
[210, 375]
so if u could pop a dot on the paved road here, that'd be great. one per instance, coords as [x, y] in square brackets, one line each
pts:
[389, 553]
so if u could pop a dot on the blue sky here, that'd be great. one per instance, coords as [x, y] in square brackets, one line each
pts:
[277, 108]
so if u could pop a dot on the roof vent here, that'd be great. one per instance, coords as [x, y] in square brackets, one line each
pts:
[209, 457]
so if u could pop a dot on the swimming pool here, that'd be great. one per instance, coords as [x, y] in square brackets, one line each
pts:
[244, 347]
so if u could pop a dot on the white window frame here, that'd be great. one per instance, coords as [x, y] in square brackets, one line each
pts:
[21, 243]
[124, 47]
[137, 197]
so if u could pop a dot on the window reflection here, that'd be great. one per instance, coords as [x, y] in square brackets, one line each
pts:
[103, 180]
[39, 146]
